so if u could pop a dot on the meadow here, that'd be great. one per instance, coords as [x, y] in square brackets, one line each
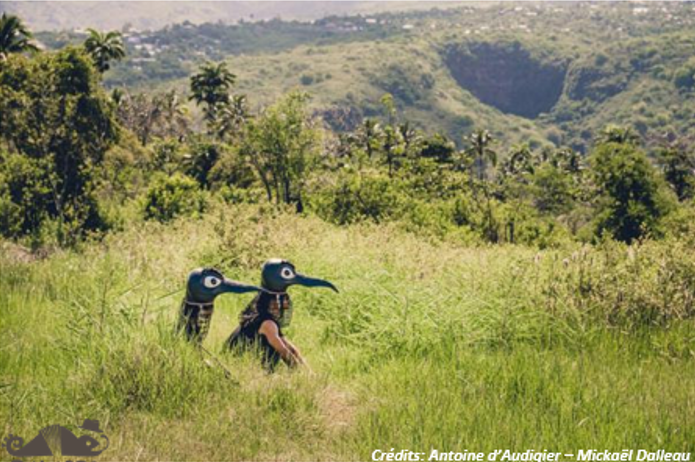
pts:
[429, 345]
[516, 271]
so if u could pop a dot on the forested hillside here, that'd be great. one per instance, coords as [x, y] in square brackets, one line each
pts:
[544, 73]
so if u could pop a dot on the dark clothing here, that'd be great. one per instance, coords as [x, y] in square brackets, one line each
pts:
[264, 307]
[194, 320]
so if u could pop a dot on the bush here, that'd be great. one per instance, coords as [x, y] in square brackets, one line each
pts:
[232, 170]
[200, 159]
[632, 199]
[170, 197]
[684, 77]
[235, 195]
[306, 79]
[24, 195]
[355, 199]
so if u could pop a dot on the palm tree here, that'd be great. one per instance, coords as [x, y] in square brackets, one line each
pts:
[174, 115]
[233, 116]
[568, 159]
[14, 37]
[369, 136]
[411, 138]
[617, 134]
[678, 166]
[480, 150]
[520, 160]
[210, 86]
[104, 48]
[393, 147]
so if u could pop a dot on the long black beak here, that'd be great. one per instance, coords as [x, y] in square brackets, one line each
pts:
[237, 287]
[313, 282]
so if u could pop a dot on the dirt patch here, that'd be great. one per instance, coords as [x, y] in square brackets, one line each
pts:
[338, 408]
[16, 253]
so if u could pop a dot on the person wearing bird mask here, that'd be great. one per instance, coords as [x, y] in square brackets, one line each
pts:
[261, 323]
[202, 288]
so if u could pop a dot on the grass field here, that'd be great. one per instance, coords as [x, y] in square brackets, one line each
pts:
[428, 345]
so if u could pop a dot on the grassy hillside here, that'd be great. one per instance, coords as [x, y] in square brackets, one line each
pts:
[428, 345]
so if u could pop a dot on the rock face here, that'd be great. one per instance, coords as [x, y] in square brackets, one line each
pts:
[506, 76]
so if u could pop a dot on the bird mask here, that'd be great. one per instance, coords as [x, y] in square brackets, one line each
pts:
[277, 275]
[204, 284]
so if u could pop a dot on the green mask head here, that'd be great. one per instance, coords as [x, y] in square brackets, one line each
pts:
[205, 284]
[278, 275]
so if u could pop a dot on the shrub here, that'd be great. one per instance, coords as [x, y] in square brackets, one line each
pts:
[170, 197]
[232, 170]
[631, 202]
[306, 79]
[684, 77]
[355, 199]
[24, 195]
[200, 159]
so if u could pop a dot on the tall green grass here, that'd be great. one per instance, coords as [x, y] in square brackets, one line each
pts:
[428, 345]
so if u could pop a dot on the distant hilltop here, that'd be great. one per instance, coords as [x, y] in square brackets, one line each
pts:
[54, 16]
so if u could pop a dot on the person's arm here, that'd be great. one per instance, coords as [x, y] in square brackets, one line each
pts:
[271, 332]
[294, 350]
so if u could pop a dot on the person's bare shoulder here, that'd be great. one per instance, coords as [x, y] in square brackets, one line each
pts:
[269, 329]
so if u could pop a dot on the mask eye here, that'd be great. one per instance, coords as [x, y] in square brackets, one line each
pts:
[287, 273]
[211, 282]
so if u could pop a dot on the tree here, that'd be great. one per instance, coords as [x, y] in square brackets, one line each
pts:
[393, 147]
[369, 136]
[160, 115]
[175, 117]
[232, 117]
[552, 189]
[210, 87]
[389, 106]
[519, 161]
[200, 159]
[104, 48]
[15, 37]
[678, 166]
[439, 148]
[619, 135]
[684, 77]
[282, 144]
[568, 160]
[481, 151]
[630, 202]
[54, 114]
[411, 138]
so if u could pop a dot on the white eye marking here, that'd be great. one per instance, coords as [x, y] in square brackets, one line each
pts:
[287, 273]
[211, 282]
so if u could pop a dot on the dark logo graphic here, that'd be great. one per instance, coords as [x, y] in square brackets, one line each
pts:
[56, 440]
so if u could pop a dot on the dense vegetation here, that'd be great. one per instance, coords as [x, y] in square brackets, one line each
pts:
[527, 294]
[72, 152]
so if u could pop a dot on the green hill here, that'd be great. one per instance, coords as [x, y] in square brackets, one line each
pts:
[544, 73]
